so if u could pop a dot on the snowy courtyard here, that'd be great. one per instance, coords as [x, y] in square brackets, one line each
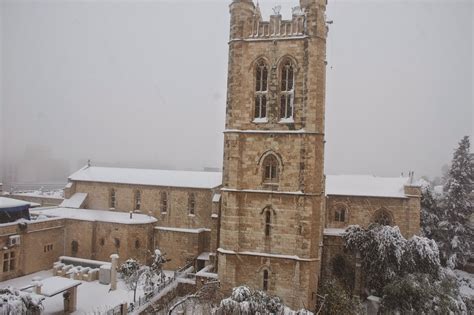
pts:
[92, 297]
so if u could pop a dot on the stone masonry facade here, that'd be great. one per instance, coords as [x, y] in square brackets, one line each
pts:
[269, 223]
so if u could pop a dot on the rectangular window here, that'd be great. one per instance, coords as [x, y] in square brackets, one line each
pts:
[138, 200]
[9, 261]
[112, 198]
[48, 248]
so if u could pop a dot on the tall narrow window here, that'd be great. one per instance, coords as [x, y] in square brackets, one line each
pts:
[112, 198]
[191, 203]
[287, 91]
[340, 214]
[267, 223]
[138, 200]
[270, 169]
[265, 280]
[74, 247]
[164, 202]
[261, 87]
[9, 261]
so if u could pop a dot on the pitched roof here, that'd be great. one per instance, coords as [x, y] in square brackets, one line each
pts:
[366, 185]
[148, 177]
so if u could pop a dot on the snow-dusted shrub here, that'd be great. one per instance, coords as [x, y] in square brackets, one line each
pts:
[18, 302]
[337, 300]
[422, 294]
[421, 255]
[245, 301]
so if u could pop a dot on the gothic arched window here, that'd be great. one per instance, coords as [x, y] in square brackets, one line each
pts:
[268, 222]
[270, 169]
[382, 217]
[261, 88]
[340, 214]
[287, 90]
[265, 280]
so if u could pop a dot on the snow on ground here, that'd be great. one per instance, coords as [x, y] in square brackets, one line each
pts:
[91, 296]
[466, 282]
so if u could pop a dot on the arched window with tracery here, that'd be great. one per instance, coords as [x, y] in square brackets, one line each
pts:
[270, 169]
[287, 90]
[265, 280]
[340, 214]
[383, 217]
[261, 90]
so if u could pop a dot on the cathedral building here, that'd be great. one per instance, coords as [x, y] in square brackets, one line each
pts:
[272, 219]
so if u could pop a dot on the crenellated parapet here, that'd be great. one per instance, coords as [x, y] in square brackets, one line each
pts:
[278, 28]
[247, 23]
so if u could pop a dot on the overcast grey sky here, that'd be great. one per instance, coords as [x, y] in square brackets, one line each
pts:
[143, 84]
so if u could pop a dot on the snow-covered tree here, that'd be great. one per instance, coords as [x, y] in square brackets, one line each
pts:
[419, 293]
[136, 275]
[453, 233]
[386, 254]
[14, 302]
[133, 275]
[430, 210]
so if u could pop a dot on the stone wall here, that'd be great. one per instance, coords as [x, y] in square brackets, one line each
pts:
[292, 280]
[405, 212]
[41, 243]
[177, 214]
[181, 246]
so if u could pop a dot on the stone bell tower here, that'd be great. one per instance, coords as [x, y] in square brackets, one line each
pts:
[272, 214]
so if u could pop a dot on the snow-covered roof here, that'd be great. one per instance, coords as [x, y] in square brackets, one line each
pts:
[11, 203]
[76, 201]
[148, 177]
[366, 185]
[95, 215]
[182, 230]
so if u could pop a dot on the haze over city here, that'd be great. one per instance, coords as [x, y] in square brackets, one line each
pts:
[143, 84]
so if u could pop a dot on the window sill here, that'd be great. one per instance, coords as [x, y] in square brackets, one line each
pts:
[191, 215]
[287, 121]
[164, 213]
[263, 120]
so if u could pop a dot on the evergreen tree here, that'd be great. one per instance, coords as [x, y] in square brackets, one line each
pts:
[454, 234]
[430, 211]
